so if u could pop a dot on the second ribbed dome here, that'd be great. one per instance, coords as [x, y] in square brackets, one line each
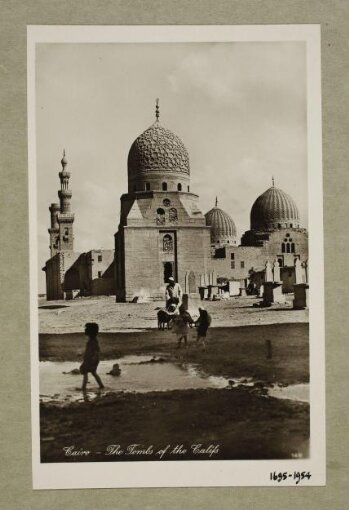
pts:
[274, 209]
[223, 230]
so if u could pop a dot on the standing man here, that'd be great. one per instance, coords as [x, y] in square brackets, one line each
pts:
[173, 293]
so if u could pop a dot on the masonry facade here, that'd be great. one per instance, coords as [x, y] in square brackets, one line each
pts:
[162, 232]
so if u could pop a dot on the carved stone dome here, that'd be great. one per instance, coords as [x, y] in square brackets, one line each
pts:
[274, 209]
[157, 151]
[223, 230]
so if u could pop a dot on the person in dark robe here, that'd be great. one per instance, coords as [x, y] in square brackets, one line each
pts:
[202, 324]
[91, 356]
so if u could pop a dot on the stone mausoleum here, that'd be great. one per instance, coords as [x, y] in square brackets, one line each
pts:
[162, 233]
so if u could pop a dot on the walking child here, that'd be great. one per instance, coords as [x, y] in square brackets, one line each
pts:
[91, 356]
[181, 325]
[202, 324]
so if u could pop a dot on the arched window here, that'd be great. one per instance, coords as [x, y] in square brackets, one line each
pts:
[147, 186]
[164, 186]
[172, 215]
[179, 186]
[283, 248]
[160, 216]
[291, 225]
[288, 248]
[167, 243]
[281, 262]
[293, 248]
[188, 188]
[279, 225]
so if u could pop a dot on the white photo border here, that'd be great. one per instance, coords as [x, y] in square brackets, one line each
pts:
[208, 473]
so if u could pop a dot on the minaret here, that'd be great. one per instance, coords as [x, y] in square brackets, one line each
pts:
[54, 229]
[62, 219]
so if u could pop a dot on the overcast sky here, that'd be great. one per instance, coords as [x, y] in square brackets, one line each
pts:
[240, 109]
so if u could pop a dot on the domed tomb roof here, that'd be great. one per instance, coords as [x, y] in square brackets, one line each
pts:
[274, 209]
[223, 230]
[159, 150]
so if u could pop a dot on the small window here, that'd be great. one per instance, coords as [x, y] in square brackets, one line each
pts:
[287, 235]
[279, 225]
[242, 264]
[283, 248]
[288, 248]
[293, 248]
[160, 216]
[188, 188]
[147, 186]
[167, 243]
[232, 256]
[99, 258]
[232, 264]
[172, 215]
[164, 186]
[99, 274]
[291, 225]
[179, 186]
[66, 232]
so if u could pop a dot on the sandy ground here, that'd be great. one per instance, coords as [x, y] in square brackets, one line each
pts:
[70, 316]
[241, 421]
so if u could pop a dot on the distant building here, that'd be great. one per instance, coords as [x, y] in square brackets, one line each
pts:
[162, 233]
[70, 273]
[275, 235]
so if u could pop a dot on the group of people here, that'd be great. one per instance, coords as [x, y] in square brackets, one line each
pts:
[181, 323]
[182, 320]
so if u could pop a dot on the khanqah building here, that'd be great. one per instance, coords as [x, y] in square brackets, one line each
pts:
[162, 233]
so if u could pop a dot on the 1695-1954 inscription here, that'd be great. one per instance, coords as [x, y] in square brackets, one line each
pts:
[297, 476]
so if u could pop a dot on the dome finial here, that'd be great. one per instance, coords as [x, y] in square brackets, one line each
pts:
[216, 204]
[157, 110]
[272, 180]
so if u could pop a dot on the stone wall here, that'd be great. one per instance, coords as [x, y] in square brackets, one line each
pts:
[229, 260]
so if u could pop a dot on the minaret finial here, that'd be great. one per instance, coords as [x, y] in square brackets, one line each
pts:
[157, 110]
[64, 159]
[216, 204]
[272, 180]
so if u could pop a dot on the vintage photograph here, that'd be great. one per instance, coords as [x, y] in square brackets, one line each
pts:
[173, 265]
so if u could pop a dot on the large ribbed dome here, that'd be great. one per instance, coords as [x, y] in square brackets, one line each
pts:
[158, 149]
[274, 209]
[223, 230]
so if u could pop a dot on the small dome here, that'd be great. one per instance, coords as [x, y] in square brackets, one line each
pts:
[274, 209]
[159, 150]
[223, 230]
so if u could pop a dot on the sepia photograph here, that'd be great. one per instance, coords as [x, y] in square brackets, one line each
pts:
[176, 255]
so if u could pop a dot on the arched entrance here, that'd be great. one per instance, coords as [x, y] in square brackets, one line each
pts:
[168, 270]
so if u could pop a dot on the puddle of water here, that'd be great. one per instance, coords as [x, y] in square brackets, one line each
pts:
[298, 392]
[137, 374]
